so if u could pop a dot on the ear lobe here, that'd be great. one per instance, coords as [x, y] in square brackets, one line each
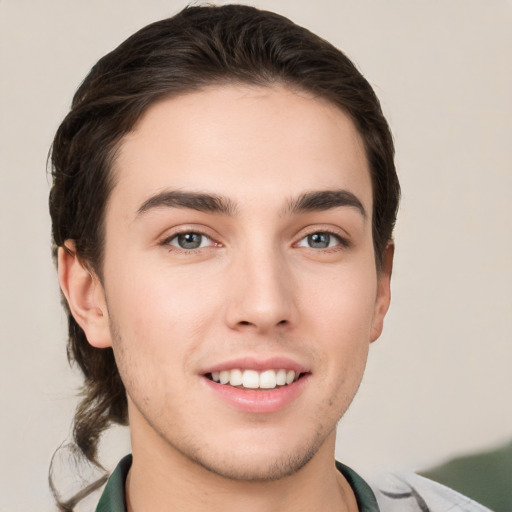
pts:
[85, 296]
[383, 292]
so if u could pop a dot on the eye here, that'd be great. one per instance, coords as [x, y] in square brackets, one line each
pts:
[190, 241]
[320, 240]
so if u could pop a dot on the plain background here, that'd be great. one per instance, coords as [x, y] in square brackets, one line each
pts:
[439, 380]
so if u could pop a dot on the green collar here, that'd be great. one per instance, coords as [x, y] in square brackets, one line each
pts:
[366, 501]
[113, 500]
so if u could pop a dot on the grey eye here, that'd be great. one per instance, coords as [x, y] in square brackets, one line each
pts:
[189, 241]
[320, 240]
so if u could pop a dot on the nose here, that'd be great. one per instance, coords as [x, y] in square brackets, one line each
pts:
[261, 297]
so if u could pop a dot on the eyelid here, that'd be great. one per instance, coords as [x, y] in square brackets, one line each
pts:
[341, 235]
[181, 230]
[340, 242]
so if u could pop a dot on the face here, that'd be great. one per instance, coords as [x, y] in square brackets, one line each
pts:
[239, 277]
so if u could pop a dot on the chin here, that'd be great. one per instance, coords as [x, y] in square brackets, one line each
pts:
[253, 469]
[257, 461]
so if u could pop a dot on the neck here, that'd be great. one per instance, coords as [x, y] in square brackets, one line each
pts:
[162, 479]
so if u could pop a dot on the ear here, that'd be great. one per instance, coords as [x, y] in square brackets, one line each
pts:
[383, 292]
[85, 296]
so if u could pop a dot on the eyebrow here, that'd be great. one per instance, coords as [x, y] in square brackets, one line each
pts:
[209, 203]
[213, 203]
[325, 200]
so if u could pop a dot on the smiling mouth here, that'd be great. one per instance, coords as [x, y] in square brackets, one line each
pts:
[253, 379]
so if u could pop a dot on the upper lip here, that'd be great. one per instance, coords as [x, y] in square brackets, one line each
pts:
[258, 364]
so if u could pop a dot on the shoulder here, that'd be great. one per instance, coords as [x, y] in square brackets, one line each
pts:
[409, 492]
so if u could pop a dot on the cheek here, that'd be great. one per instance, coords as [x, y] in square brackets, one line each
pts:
[343, 305]
[159, 313]
[157, 324]
[340, 319]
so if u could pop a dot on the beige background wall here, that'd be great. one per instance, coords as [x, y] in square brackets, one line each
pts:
[439, 381]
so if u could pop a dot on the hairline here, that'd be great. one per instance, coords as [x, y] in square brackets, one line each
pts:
[224, 81]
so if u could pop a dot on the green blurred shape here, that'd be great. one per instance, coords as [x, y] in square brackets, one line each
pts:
[485, 477]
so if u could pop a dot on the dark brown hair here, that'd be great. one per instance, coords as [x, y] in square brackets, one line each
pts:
[199, 46]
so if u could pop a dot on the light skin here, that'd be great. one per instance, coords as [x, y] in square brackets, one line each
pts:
[238, 233]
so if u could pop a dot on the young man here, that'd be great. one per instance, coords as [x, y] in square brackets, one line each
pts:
[223, 203]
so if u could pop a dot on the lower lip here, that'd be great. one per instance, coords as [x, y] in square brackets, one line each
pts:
[262, 401]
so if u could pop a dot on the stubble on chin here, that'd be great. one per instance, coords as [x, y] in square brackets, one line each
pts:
[245, 468]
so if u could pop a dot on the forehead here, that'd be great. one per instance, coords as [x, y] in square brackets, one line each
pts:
[242, 141]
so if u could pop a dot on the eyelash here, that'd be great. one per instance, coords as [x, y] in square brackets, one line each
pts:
[171, 247]
[342, 243]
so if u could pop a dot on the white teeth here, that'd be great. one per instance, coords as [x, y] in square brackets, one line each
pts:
[252, 379]
[290, 377]
[268, 379]
[236, 378]
[281, 377]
